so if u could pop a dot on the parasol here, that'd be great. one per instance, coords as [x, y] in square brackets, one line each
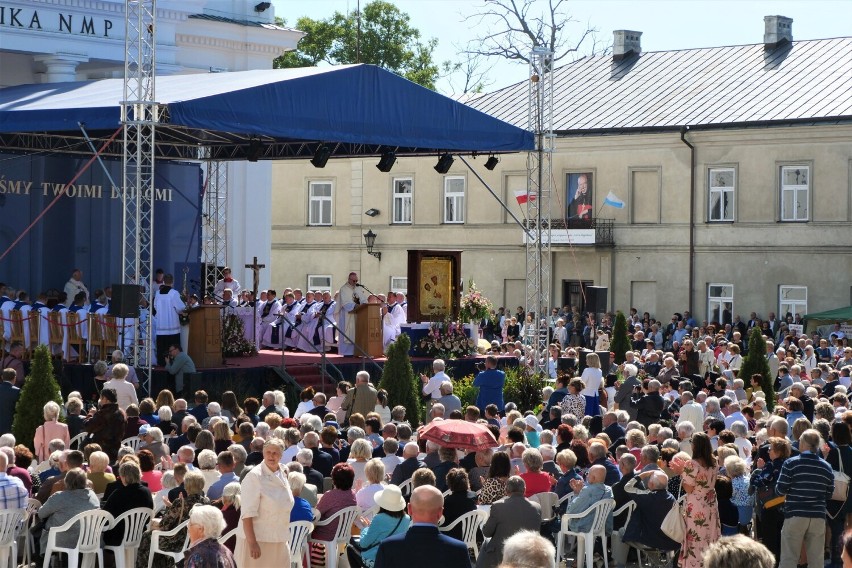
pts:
[459, 434]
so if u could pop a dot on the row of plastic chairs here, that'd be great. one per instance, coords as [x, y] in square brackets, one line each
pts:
[78, 441]
[15, 524]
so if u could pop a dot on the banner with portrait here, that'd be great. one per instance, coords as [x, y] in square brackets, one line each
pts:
[580, 198]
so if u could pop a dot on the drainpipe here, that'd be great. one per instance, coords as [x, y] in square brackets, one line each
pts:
[683, 132]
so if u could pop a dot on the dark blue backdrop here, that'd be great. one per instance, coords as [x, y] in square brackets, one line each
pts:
[83, 229]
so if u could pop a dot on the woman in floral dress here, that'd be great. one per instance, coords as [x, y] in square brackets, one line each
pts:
[702, 513]
[574, 402]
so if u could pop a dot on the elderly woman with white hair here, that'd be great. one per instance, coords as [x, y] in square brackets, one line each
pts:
[207, 465]
[205, 527]
[50, 430]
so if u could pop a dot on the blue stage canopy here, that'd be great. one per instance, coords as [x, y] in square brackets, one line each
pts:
[356, 110]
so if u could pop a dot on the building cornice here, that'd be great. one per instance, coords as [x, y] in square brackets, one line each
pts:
[228, 44]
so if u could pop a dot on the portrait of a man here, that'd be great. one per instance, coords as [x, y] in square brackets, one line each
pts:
[579, 196]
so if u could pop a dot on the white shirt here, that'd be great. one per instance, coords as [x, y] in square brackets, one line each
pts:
[433, 387]
[593, 378]
[692, 412]
[125, 392]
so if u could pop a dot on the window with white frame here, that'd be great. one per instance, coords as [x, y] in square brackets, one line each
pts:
[795, 187]
[720, 302]
[454, 199]
[792, 300]
[320, 202]
[319, 282]
[399, 284]
[722, 187]
[403, 193]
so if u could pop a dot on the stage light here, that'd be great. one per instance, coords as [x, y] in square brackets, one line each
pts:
[254, 150]
[371, 212]
[386, 161]
[321, 156]
[262, 6]
[491, 163]
[444, 164]
[370, 240]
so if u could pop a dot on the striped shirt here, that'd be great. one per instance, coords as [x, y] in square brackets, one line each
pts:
[808, 482]
[13, 494]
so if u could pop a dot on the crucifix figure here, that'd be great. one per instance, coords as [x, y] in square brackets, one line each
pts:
[255, 268]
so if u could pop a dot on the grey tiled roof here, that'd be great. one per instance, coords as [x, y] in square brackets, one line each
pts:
[806, 81]
[248, 23]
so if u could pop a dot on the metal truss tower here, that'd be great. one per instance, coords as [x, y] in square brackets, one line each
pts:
[139, 116]
[539, 191]
[215, 222]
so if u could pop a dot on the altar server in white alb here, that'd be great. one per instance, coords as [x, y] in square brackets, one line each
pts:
[167, 307]
[307, 321]
[286, 322]
[321, 324]
[268, 315]
[349, 296]
[397, 310]
[226, 282]
[390, 331]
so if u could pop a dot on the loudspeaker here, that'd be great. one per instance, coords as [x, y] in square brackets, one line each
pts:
[125, 300]
[566, 364]
[602, 355]
[596, 299]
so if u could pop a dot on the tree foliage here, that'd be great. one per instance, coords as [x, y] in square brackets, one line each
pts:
[39, 388]
[755, 363]
[399, 380]
[620, 343]
[515, 27]
[386, 39]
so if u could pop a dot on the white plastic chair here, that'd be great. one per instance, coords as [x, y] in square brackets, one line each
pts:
[345, 518]
[230, 534]
[548, 503]
[33, 505]
[586, 540]
[470, 523]
[405, 487]
[11, 521]
[133, 441]
[76, 442]
[300, 531]
[135, 523]
[155, 543]
[92, 525]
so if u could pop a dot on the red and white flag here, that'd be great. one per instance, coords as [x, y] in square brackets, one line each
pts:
[522, 196]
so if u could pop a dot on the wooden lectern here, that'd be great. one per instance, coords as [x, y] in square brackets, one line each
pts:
[368, 330]
[205, 336]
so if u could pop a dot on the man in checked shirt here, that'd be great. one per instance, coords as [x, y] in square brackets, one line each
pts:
[13, 495]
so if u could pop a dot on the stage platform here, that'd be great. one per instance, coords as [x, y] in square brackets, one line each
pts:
[268, 370]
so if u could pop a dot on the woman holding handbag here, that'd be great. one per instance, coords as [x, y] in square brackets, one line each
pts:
[698, 477]
[840, 459]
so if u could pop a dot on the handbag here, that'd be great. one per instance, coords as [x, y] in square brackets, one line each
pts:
[841, 481]
[768, 499]
[673, 525]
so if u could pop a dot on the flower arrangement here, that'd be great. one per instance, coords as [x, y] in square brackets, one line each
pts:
[445, 341]
[474, 306]
[234, 342]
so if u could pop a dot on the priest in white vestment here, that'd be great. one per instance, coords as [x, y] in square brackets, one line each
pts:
[268, 315]
[167, 308]
[349, 296]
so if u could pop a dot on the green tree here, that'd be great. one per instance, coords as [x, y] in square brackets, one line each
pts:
[755, 363]
[399, 380]
[386, 39]
[620, 343]
[39, 388]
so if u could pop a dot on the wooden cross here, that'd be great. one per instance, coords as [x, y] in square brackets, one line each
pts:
[255, 268]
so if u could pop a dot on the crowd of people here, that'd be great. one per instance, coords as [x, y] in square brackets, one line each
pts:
[761, 479]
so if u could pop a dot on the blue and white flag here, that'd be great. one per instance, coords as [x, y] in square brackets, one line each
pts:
[613, 201]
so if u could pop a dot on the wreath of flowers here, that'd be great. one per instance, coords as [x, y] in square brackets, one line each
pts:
[234, 342]
[445, 341]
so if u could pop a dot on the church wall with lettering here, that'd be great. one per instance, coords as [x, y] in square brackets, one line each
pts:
[83, 229]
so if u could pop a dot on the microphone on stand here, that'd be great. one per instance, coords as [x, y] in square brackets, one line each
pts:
[367, 289]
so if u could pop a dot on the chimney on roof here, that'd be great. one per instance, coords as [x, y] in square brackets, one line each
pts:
[778, 30]
[626, 43]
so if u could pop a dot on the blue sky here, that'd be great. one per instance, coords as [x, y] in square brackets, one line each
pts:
[666, 24]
